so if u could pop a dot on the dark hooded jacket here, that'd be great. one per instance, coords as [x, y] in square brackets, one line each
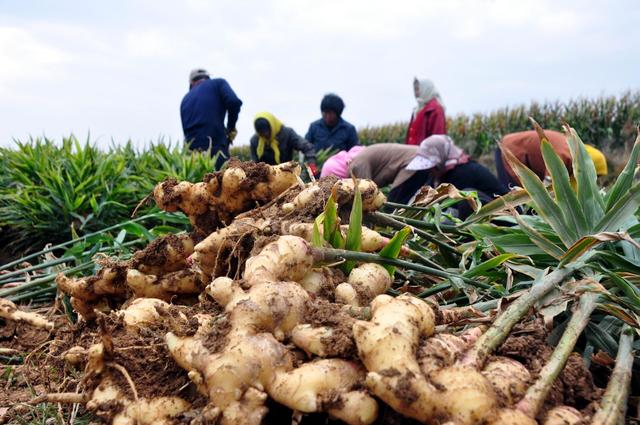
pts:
[341, 137]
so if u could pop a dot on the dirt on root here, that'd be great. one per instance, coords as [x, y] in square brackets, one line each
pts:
[260, 242]
[311, 210]
[215, 340]
[207, 305]
[39, 366]
[333, 277]
[118, 283]
[145, 358]
[305, 214]
[242, 245]
[364, 294]
[256, 172]
[182, 322]
[204, 223]
[574, 386]
[155, 254]
[404, 390]
[169, 196]
[324, 313]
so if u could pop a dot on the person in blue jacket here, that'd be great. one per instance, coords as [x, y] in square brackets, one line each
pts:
[331, 131]
[203, 110]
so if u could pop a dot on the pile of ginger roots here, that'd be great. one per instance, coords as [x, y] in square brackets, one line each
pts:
[248, 316]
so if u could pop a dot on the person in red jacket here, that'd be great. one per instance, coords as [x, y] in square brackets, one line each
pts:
[428, 116]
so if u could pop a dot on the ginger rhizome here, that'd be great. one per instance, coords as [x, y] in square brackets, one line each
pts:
[9, 311]
[254, 363]
[239, 187]
[243, 310]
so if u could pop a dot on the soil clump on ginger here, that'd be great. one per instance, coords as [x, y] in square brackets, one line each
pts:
[574, 386]
[154, 254]
[324, 313]
[146, 359]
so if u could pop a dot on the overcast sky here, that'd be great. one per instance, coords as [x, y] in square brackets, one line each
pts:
[118, 69]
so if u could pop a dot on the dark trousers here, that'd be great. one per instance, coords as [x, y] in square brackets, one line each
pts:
[468, 176]
[504, 177]
[220, 149]
[473, 176]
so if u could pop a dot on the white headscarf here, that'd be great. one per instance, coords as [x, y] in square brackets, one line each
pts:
[437, 151]
[426, 91]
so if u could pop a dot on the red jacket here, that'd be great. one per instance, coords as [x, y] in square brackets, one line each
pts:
[428, 121]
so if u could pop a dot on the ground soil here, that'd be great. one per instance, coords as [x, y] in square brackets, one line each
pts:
[143, 355]
[41, 368]
[151, 368]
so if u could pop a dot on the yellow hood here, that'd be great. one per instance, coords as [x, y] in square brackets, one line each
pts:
[275, 125]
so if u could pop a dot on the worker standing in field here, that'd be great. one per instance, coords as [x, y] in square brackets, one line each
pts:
[203, 110]
[428, 116]
[525, 146]
[332, 131]
[275, 143]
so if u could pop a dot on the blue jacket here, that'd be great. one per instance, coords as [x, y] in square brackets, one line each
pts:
[342, 137]
[203, 110]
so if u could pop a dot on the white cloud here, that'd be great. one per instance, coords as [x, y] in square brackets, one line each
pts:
[375, 19]
[150, 43]
[124, 75]
[23, 56]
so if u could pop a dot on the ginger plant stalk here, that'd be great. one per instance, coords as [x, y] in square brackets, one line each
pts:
[499, 331]
[614, 402]
[330, 255]
[537, 393]
[386, 220]
[448, 228]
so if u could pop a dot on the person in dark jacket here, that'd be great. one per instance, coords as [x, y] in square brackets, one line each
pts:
[331, 131]
[275, 143]
[203, 110]
[428, 116]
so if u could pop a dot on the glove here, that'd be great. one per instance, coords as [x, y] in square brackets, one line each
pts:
[231, 134]
[314, 169]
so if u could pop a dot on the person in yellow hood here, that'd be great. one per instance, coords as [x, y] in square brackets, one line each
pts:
[275, 143]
